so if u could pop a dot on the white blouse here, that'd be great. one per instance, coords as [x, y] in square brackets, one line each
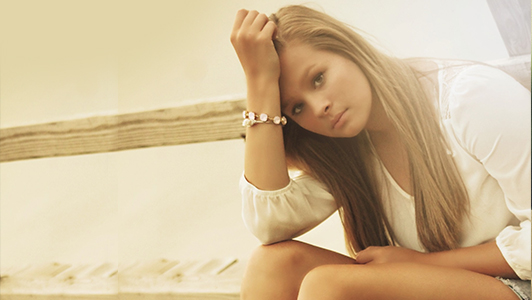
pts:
[486, 117]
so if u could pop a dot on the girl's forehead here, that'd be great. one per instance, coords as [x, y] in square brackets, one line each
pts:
[297, 64]
[297, 61]
[299, 55]
[297, 49]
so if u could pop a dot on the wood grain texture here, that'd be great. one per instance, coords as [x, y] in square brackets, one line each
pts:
[196, 123]
[210, 279]
[513, 21]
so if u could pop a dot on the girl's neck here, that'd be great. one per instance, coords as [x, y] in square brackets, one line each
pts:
[378, 122]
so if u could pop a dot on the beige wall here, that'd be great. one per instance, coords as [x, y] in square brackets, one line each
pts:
[69, 59]
[66, 59]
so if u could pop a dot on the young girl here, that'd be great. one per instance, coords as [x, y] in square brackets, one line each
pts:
[427, 163]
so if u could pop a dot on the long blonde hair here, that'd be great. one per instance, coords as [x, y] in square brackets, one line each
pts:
[347, 166]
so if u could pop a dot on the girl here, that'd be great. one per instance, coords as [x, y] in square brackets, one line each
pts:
[427, 163]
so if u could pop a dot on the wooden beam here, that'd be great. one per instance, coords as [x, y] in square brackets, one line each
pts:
[207, 279]
[513, 20]
[196, 123]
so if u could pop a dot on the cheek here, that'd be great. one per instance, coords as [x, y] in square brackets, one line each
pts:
[303, 123]
[312, 125]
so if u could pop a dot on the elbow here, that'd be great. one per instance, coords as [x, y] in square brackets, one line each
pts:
[269, 240]
[268, 232]
[268, 235]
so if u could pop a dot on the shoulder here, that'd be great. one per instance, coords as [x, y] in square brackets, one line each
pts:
[485, 89]
[486, 104]
[480, 76]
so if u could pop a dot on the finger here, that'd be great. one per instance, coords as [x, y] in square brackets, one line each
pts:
[259, 23]
[364, 257]
[363, 260]
[270, 29]
[240, 16]
[355, 256]
[249, 19]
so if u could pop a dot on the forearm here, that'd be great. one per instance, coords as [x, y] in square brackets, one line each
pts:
[486, 259]
[265, 161]
[252, 37]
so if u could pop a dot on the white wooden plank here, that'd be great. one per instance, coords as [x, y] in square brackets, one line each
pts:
[62, 279]
[208, 279]
[194, 279]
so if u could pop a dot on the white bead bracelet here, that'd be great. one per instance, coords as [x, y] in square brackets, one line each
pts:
[251, 118]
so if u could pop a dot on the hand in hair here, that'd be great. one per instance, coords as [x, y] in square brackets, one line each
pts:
[252, 37]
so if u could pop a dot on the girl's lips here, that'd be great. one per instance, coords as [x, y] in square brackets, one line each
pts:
[336, 119]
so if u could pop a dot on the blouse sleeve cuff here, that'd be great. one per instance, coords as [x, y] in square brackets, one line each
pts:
[245, 184]
[514, 244]
[283, 214]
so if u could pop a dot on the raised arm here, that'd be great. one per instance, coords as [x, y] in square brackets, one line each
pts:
[265, 161]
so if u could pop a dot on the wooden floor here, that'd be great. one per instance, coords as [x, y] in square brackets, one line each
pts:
[161, 279]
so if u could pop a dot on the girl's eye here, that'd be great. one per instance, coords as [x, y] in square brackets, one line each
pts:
[297, 109]
[318, 80]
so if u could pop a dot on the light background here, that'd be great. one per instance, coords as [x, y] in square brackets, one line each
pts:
[62, 60]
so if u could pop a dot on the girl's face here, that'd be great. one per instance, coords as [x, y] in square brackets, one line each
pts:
[323, 92]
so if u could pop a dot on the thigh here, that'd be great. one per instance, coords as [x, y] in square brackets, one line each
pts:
[276, 271]
[400, 281]
[294, 256]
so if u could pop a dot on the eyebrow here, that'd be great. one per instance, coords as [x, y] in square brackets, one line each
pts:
[285, 104]
[307, 72]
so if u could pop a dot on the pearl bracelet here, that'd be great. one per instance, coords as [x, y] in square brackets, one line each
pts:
[251, 118]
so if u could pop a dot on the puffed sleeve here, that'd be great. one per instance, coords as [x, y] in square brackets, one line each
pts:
[274, 216]
[490, 114]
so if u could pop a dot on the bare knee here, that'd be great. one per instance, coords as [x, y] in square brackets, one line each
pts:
[320, 283]
[284, 259]
[329, 282]
[276, 269]
[279, 257]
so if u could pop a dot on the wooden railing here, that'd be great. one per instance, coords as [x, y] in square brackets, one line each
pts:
[203, 122]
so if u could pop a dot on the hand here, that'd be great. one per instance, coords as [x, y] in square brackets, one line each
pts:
[252, 38]
[389, 254]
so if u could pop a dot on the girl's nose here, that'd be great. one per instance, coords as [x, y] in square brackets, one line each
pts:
[321, 106]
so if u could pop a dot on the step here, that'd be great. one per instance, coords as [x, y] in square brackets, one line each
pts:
[158, 279]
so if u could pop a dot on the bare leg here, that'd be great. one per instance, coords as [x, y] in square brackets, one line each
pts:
[276, 271]
[294, 270]
[400, 281]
